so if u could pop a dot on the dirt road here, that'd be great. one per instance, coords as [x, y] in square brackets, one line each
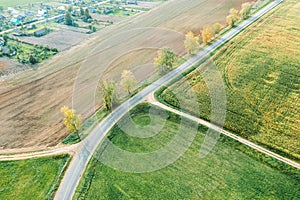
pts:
[152, 100]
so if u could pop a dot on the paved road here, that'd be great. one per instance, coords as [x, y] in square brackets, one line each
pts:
[233, 136]
[79, 162]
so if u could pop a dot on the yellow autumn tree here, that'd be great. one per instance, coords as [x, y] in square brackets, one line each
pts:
[128, 81]
[191, 42]
[71, 120]
[207, 34]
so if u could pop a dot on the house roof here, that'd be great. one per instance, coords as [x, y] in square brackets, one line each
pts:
[5, 50]
[40, 32]
[15, 21]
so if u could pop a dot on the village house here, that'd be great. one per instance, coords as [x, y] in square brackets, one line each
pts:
[15, 21]
[60, 19]
[42, 13]
[40, 33]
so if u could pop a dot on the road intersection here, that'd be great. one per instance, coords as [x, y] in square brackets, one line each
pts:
[93, 140]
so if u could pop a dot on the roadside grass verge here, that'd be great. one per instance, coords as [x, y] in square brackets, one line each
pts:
[260, 70]
[36, 178]
[230, 171]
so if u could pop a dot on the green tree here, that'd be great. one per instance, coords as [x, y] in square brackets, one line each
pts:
[191, 42]
[87, 15]
[32, 60]
[108, 89]
[165, 60]
[71, 120]
[217, 27]
[5, 39]
[81, 11]
[70, 9]
[245, 11]
[233, 17]
[128, 81]
[68, 19]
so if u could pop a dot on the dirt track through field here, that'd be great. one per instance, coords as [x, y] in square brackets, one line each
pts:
[30, 103]
[151, 99]
[70, 149]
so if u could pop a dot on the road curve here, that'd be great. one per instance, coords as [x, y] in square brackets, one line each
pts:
[79, 162]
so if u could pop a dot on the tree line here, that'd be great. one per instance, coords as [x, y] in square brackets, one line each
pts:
[164, 62]
[192, 41]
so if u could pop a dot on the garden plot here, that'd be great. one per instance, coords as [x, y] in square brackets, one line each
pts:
[144, 5]
[107, 18]
[62, 39]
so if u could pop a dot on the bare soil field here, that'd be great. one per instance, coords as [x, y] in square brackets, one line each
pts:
[30, 103]
[144, 4]
[8, 67]
[72, 28]
[105, 18]
[62, 39]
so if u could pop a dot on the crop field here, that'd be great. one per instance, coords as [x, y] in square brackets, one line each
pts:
[230, 171]
[62, 39]
[261, 72]
[31, 101]
[31, 178]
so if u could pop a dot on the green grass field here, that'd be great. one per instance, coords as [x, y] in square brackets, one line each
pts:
[230, 171]
[8, 3]
[261, 72]
[31, 178]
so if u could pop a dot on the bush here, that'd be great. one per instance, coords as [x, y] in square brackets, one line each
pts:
[32, 60]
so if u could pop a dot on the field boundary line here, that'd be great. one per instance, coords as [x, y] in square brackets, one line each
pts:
[70, 149]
